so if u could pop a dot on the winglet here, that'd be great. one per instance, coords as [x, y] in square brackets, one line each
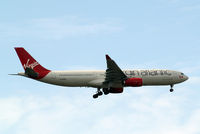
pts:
[108, 57]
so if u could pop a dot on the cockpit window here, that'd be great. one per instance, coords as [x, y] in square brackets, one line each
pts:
[182, 73]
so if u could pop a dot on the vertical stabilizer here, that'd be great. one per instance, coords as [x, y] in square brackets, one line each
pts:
[32, 68]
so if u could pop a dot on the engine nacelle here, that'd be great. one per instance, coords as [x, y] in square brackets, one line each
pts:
[116, 90]
[133, 82]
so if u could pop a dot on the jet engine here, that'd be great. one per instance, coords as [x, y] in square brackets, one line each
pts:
[133, 82]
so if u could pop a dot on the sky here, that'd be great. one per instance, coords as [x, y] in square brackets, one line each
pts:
[76, 35]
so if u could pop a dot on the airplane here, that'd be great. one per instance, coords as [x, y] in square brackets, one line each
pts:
[111, 80]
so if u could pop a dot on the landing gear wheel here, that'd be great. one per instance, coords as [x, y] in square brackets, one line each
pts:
[105, 91]
[100, 93]
[95, 96]
[171, 89]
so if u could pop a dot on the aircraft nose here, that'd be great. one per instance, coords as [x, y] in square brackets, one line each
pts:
[186, 77]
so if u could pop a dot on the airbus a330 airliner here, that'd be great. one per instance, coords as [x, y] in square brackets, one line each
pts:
[112, 80]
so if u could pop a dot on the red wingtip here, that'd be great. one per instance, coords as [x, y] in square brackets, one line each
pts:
[108, 57]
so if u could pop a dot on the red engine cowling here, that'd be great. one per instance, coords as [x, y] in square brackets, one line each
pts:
[116, 90]
[133, 82]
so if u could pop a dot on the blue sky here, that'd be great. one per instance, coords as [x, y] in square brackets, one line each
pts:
[76, 35]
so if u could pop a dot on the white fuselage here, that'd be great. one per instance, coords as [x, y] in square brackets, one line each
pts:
[96, 78]
[112, 80]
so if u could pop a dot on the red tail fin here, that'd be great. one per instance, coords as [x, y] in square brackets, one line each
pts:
[30, 65]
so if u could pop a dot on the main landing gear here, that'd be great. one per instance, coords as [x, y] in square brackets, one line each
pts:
[171, 89]
[98, 93]
[106, 91]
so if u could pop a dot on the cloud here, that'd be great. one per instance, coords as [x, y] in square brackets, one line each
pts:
[149, 113]
[33, 114]
[10, 111]
[59, 28]
[137, 111]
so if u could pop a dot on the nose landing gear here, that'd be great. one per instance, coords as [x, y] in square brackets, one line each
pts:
[171, 89]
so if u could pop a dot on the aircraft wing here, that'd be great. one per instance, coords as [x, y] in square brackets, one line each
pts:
[114, 75]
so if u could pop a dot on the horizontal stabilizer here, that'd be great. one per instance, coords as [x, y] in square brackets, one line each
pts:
[13, 74]
[19, 74]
